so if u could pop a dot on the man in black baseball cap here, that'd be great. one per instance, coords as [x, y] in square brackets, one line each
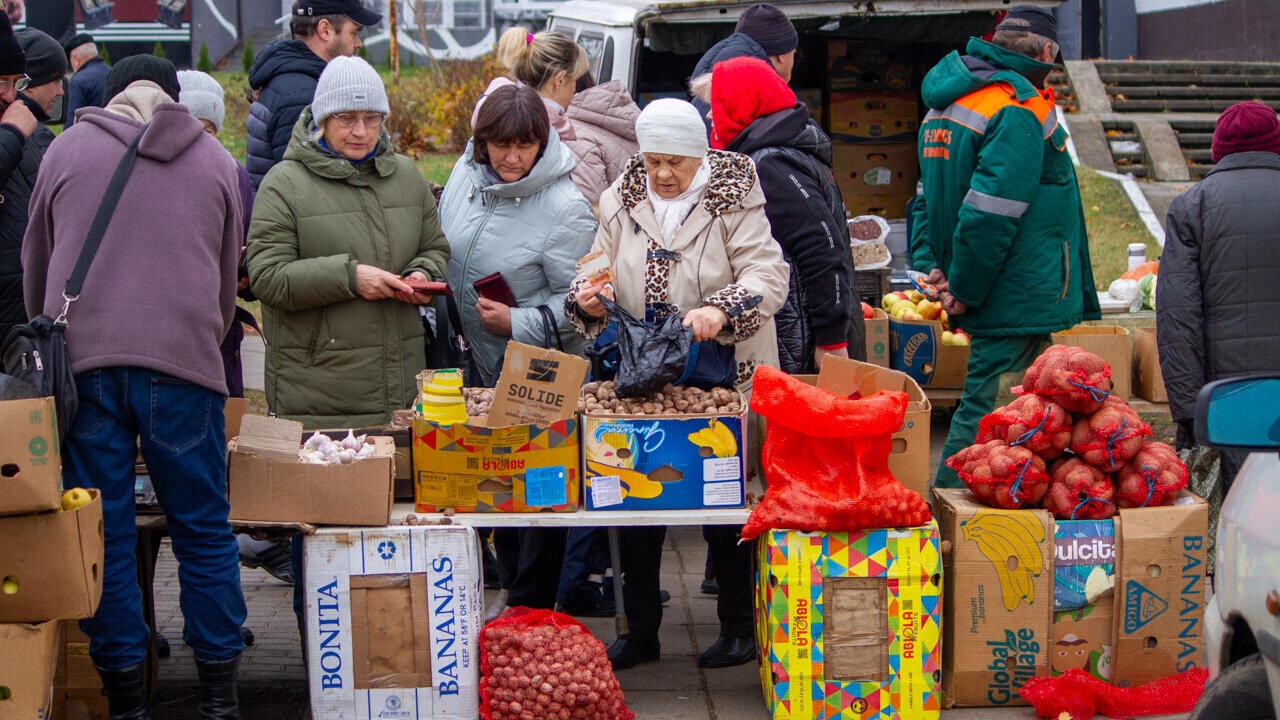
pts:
[285, 73]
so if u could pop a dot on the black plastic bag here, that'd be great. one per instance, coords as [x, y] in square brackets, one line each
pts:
[650, 355]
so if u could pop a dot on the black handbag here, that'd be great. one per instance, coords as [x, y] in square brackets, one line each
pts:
[35, 353]
[466, 362]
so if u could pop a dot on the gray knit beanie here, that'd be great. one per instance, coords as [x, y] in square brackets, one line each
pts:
[348, 84]
[203, 97]
[671, 127]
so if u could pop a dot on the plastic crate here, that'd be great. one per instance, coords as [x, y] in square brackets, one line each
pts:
[872, 285]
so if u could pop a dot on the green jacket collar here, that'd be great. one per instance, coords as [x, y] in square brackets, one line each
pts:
[1017, 67]
[304, 148]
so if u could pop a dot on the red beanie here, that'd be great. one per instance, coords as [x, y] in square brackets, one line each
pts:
[1245, 127]
[743, 90]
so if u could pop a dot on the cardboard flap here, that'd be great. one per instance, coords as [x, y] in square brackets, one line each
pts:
[270, 437]
[536, 386]
[844, 377]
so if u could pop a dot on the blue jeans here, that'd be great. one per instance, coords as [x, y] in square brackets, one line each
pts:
[183, 440]
[586, 553]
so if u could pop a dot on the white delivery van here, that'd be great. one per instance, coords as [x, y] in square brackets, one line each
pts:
[858, 67]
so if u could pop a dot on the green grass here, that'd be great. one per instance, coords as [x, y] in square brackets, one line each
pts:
[1112, 224]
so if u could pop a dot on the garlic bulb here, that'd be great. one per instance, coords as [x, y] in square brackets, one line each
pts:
[350, 442]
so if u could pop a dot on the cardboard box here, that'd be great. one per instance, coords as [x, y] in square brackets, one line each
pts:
[664, 462]
[393, 617]
[26, 669]
[267, 483]
[878, 338]
[55, 559]
[889, 207]
[1148, 380]
[880, 169]
[875, 117]
[30, 465]
[858, 65]
[1082, 639]
[1159, 596]
[523, 457]
[403, 460]
[999, 601]
[77, 688]
[1112, 343]
[909, 458]
[916, 348]
[858, 638]
[812, 98]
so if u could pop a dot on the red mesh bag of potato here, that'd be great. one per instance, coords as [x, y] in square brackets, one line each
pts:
[1110, 437]
[826, 459]
[1155, 476]
[1034, 422]
[1079, 491]
[539, 664]
[1002, 475]
[1073, 377]
[1077, 695]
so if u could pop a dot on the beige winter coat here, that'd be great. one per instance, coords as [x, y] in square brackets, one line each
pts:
[723, 255]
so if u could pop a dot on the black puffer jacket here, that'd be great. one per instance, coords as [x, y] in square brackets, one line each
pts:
[284, 75]
[736, 45]
[1217, 299]
[806, 211]
[19, 162]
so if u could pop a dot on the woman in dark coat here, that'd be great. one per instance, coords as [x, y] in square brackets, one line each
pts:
[1217, 302]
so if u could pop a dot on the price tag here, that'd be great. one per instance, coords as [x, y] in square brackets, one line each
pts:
[606, 491]
[545, 486]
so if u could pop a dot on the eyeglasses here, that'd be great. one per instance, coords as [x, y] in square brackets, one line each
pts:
[21, 83]
[346, 121]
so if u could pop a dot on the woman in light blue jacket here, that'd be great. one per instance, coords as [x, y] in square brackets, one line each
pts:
[511, 207]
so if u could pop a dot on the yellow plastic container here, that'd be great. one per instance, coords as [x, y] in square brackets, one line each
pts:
[442, 398]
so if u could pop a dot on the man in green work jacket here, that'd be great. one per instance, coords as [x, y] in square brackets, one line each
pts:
[999, 226]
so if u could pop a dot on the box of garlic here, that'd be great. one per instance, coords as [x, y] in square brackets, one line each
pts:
[274, 476]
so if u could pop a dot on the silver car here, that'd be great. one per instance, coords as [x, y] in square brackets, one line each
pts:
[1242, 622]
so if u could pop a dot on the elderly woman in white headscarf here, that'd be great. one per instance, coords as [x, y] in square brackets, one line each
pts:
[685, 230]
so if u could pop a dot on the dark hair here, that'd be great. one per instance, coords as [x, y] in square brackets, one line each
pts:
[586, 82]
[301, 26]
[512, 113]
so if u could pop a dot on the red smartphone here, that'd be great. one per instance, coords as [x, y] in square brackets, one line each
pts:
[494, 287]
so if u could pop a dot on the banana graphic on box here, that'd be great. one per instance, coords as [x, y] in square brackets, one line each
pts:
[718, 438]
[1001, 536]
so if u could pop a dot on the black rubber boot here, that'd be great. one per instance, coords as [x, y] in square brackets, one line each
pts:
[126, 693]
[218, 700]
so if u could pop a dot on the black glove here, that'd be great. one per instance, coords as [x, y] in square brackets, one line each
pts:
[1186, 435]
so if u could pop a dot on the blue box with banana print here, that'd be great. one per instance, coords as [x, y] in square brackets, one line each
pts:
[664, 462]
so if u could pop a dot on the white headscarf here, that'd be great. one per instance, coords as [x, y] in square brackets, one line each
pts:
[672, 213]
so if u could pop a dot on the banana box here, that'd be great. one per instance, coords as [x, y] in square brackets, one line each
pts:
[848, 624]
[999, 600]
[1082, 639]
[666, 462]
[521, 457]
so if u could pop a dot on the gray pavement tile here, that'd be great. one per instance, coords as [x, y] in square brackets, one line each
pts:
[671, 672]
[667, 705]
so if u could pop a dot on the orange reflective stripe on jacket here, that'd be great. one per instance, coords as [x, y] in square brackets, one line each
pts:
[977, 108]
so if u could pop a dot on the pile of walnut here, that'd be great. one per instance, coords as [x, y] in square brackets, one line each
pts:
[479, 401]
[601, 398]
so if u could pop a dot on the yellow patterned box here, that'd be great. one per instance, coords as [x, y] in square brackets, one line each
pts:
[472, 468]
[848, 624]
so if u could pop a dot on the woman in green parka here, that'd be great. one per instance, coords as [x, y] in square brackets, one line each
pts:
[338, 227]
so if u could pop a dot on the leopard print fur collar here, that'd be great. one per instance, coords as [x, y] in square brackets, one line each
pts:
[732, 177]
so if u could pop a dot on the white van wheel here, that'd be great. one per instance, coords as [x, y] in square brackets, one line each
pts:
[1241, 692]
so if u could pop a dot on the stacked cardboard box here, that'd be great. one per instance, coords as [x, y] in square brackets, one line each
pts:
[51, 565]
[873, 116]
[1020, 600]
[848, 624]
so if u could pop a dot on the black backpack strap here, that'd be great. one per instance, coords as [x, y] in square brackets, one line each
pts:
[110, 199]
